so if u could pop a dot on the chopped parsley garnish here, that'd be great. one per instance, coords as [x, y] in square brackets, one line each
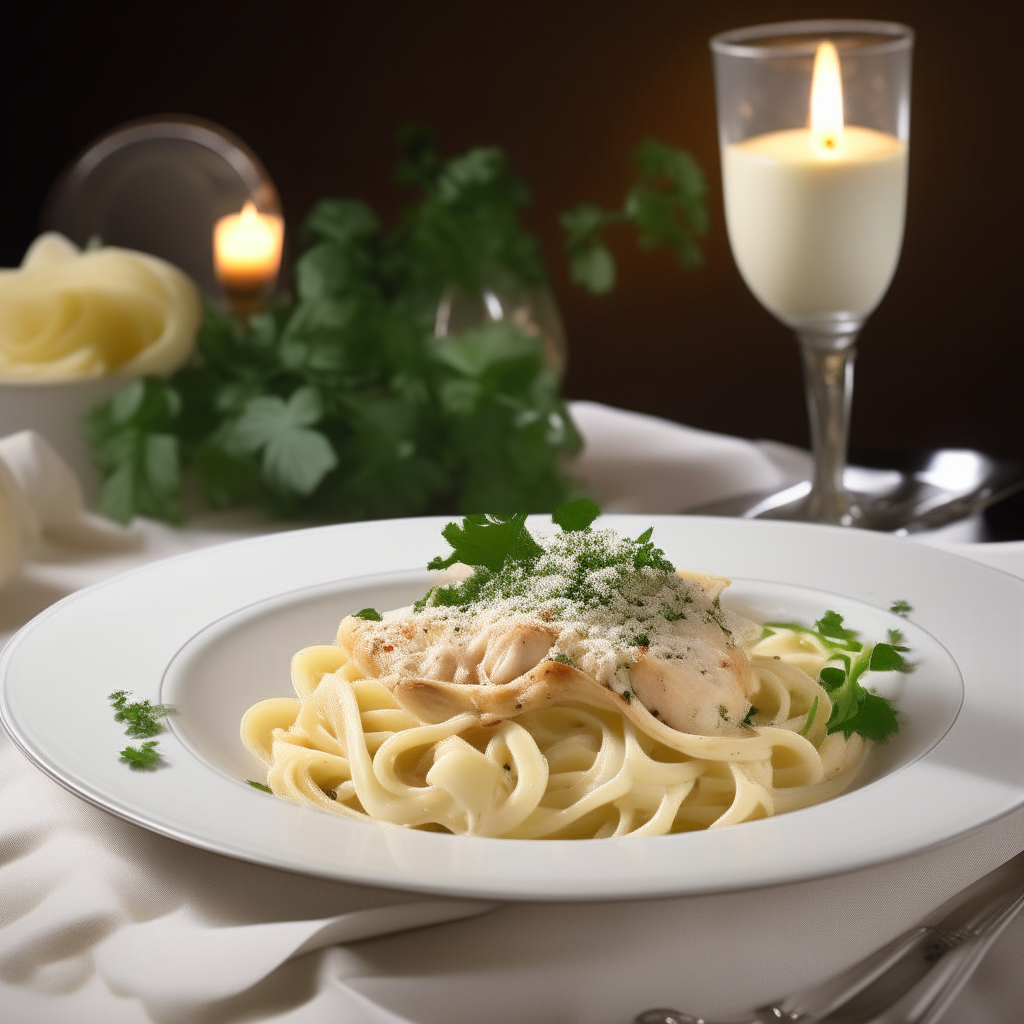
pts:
[370, 614]
[749, 716]
[641, 640]
[562, 659]
[140, 716]
[143, 758]
[141, 721]
[579, 566]
[259, 786]
[901, 608]
[627, 696]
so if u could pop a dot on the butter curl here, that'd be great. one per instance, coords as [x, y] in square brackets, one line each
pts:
[67, 314]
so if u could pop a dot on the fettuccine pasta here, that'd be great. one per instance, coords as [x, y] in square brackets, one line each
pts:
[516, 718]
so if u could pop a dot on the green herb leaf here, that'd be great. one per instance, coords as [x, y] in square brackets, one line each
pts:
[901, 607]
[887, 658]
[831, 625]
[259, 785]
[854, 708]
[141, 717]
[666, 206]
[135, 450]
[295, 458]
[832, 678]
[747, 718]
[576, 515]
[488, 541]
[341, 222]
[874, 718]
[144, 758]
[370, 614]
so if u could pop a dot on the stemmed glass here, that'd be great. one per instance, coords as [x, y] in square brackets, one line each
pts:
[814, 129]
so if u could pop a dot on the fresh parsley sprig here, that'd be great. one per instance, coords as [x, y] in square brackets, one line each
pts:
[666, 206]
[488, 542]
[855, 709]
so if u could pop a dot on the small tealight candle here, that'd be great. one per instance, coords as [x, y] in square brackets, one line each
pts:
[247, 255]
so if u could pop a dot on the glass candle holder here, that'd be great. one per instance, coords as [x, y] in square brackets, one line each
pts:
[814, 130]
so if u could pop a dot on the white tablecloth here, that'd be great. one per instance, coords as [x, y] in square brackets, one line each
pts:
[103, 921]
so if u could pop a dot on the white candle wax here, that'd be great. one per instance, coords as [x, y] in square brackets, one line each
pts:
[815, 232]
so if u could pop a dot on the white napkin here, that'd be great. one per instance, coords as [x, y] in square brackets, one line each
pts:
[638, 463]
[41, 501]
[103, 921]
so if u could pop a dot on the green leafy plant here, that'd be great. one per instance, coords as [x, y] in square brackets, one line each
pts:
[340, 403]
[665, 206]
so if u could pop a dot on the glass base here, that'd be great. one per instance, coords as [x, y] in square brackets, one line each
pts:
[945, 486]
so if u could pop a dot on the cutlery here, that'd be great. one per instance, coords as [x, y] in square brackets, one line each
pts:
[928, 490]
[911, 980]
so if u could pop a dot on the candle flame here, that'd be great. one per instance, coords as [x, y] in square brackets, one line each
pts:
[827, 101]
[247, 247]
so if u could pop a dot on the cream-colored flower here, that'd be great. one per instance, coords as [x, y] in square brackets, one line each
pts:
[67, 314]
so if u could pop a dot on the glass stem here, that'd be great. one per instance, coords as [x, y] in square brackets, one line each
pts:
[828, 382]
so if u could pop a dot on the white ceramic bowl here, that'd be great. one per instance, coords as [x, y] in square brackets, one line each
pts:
[57, 410]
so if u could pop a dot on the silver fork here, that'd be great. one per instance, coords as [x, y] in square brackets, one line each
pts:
[911, 980]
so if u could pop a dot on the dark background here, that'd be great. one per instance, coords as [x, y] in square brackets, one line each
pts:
[569, 89]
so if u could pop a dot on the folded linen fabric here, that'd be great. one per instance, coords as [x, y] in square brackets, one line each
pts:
[41, 501]
[103, 921]
[637, 463]
[181, 936]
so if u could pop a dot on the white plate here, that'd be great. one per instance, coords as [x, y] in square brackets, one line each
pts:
[214, 631]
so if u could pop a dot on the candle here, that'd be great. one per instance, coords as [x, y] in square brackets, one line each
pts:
[247, 249]
[815, 215]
